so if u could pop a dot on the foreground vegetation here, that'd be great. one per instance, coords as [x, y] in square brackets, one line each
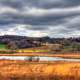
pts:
[23, 70]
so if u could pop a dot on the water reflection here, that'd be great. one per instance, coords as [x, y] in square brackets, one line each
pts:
[36, 58]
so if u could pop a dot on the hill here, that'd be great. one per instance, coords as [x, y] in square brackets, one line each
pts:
[57, 44]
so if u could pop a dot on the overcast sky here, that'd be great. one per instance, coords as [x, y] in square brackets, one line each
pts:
[37, 18]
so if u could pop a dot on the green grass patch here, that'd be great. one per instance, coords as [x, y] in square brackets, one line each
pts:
[2, 46]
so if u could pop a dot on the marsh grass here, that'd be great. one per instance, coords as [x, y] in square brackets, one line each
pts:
[55, 77]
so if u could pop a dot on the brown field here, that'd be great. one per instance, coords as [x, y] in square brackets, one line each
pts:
[63, 55]
[23, 70]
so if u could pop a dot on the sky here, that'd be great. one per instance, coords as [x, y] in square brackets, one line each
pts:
[38, 18]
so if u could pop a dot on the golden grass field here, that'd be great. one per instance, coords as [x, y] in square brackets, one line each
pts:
[23, 70]
[26, 70]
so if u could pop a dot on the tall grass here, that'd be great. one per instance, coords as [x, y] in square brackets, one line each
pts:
[55, 77]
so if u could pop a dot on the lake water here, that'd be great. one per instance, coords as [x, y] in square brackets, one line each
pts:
[40, 58]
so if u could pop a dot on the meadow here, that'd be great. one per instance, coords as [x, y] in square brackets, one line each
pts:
[41, 70]
[23, 70]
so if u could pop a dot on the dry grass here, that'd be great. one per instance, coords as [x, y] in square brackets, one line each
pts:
[22, 70]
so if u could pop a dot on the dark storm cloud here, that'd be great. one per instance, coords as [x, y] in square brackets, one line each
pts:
[40, 3]
[42, 15]
[53, 18]
[74, 23]
[30, 3]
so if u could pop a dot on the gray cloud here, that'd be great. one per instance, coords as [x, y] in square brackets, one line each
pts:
[60, 18]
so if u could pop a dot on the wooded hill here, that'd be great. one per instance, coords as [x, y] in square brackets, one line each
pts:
[21, 42]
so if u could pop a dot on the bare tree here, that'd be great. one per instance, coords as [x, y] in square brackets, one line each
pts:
[12, 45]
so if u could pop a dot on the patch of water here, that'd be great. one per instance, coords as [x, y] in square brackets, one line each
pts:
[40, 58]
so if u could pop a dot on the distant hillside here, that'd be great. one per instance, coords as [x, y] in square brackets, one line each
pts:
[20, 42]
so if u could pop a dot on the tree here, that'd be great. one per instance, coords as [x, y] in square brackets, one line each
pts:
[12, 45]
